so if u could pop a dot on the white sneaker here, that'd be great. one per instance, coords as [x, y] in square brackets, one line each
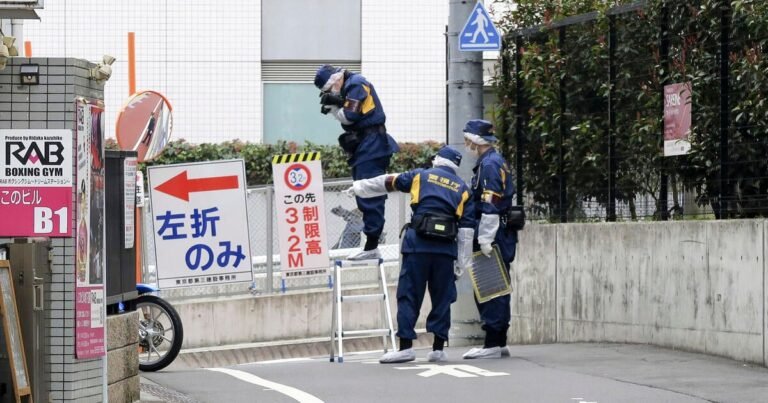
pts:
[491, 352]
[365, 255]
[437, 356]
[505, 351]
[396, 357]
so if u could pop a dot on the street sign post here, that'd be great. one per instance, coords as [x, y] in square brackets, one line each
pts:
[200, 223]
[479, 33]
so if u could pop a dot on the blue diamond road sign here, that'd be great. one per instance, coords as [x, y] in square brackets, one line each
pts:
[479, 33]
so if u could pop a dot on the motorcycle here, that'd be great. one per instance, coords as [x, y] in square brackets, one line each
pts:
[160, 330]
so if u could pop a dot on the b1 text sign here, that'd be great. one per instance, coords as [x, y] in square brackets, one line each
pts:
[36, 183]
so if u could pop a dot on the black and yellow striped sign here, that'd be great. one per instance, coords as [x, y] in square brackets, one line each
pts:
[300, 157]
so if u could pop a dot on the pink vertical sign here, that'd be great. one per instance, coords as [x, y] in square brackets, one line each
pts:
[677, 119]
[90, 309]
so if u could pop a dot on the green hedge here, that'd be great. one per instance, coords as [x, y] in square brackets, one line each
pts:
[258, 157]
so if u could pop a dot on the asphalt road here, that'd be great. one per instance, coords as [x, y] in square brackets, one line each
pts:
[567, 373]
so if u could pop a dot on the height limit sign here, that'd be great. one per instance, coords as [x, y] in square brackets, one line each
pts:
[300, 211]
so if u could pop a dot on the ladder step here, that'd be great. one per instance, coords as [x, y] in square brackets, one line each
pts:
[369, 263]
[370, 332]
[362, 298]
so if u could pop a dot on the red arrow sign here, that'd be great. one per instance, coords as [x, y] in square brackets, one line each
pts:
[180, 187]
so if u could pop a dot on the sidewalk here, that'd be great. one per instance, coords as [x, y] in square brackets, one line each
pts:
[147, 387]
[154, 393]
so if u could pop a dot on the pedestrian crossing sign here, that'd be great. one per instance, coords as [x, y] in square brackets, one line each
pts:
[479, 33]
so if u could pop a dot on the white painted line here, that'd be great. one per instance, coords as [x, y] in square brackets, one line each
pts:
[459, 371]
[281, 361]
[296, 394]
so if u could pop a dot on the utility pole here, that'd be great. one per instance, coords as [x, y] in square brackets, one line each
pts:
[465, 83]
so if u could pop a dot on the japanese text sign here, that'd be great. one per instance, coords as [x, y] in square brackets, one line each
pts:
[677, 119]
[200, 223]
[300, 212]
[36, 182]
[90, 252]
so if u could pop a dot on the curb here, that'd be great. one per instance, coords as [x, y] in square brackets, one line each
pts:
[248, 353]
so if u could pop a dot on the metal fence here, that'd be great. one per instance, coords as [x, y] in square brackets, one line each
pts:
[586, 102]
[343, 224]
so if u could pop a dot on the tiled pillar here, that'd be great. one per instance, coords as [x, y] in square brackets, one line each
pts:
[50, 105]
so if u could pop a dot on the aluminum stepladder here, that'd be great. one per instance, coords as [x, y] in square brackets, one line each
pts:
[337, 329]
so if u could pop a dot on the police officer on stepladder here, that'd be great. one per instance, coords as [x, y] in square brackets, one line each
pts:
[492, 190]
[353, 101]
[436, 248]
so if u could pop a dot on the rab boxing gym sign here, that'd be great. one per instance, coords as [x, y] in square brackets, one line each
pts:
[36, 183]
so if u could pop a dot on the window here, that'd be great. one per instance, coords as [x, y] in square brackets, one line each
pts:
[292, 113]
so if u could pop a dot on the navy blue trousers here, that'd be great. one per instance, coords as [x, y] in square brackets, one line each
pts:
[495, 315]
[372, 208]
[422, 271]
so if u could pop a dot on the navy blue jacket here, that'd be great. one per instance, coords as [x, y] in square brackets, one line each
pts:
[435, 191]
[492, 190]
[363, 109]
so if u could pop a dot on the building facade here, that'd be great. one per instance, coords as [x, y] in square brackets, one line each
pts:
[243, 69]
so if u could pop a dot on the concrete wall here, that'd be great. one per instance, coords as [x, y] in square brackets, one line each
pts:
[276, 317]
[123, 358]
[534, 288]
[697, 286]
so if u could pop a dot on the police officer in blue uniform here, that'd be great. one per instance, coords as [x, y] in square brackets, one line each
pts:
[436, 248]
[352, 100]
[492, 190]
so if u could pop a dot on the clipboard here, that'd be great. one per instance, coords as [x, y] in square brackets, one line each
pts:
[489, 276]
[12, 330]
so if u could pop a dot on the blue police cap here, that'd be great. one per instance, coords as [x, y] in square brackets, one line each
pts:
[450, 154]
[482, 128]
[322, 75]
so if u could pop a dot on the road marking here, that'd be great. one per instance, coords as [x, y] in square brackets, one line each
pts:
[459, 371]
[296, 394]
[281, 361]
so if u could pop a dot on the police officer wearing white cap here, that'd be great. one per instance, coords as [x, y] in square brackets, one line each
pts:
[492, 190]
[353, 101]
[436, 248]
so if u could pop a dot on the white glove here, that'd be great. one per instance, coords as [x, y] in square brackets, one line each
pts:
[464, 249]
[486, 230]
[486, 248]
[350, 192]
[458, 271]
[366, 188]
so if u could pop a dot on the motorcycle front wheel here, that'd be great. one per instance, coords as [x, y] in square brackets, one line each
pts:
[160, 333]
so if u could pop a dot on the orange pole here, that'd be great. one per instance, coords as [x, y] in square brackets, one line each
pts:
[27, 48]
[131, 64]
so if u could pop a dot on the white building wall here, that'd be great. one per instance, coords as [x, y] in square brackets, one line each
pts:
[205, 57]
[403, 55]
